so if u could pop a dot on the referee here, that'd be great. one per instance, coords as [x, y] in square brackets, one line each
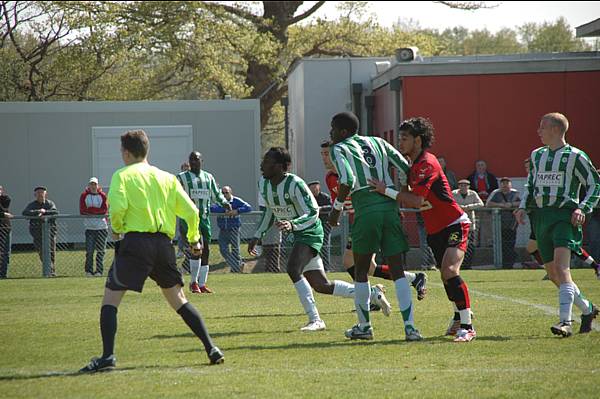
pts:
[144, 202]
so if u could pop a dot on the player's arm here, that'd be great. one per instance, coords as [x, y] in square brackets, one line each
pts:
[587, 175]
[218, 195]
[346, 181]
[404, 197]
[527, 194]
[398, 161]
[117, 199]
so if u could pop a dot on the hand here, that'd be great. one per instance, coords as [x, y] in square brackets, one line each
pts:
[284, 225]
[577, 217]
[334, 218]
[233, 212]
[196, 248]
[252, 246]
[8, 215]
[520, 215]
[378, 185]
[41, 211]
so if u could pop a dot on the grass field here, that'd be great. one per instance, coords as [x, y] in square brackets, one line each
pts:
[49, 329]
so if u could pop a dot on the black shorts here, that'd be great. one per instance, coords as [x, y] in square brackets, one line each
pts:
[454, 236]
[143, 255]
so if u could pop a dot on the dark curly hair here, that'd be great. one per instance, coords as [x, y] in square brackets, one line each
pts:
[419, 127]
[281, 156]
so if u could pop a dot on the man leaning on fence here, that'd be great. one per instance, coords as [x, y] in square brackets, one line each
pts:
[229, 228]
[468, 200]
[93, 202]
[506, 198]
[37, 210]
[5, 233]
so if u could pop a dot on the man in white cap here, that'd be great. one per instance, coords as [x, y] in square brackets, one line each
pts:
[93, 202]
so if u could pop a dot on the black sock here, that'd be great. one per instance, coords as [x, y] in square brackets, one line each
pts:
[192, 318]
[108, 329]
[350, 271]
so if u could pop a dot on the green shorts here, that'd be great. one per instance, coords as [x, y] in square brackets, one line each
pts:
[313, 237]
[553, 229]
[381, 230]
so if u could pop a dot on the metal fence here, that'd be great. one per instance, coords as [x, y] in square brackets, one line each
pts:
[59, 245]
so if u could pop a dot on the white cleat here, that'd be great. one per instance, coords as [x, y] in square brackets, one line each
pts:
[317, 325]
[378, 298]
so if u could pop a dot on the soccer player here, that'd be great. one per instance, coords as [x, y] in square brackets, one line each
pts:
[291, 206]
[447, 225]
[201, 188]
[557, 172]
[417, 280]
[377, 223]
[144, 202]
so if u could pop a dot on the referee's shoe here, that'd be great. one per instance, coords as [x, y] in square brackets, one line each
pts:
[100, 364]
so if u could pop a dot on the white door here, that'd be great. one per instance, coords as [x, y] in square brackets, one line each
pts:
[170, 146]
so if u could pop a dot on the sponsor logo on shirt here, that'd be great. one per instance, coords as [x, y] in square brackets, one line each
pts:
[550, 179]
[284, 212]
[200, 193]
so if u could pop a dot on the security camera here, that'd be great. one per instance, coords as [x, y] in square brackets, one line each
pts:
[407, 54]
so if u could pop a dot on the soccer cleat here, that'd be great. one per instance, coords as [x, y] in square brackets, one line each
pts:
[98, 274]
[563, 329]
[205, 290]
[216, 356]
[100, 364]
[357, 332]
[194, 288]
[88, 274]
[463, 335]
[453, 327]
[373, 307]
[379, 299]
[316, 325]
[586, 320]
[420, 284]
[412, 334]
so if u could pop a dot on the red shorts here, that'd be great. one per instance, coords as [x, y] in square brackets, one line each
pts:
[454, 236]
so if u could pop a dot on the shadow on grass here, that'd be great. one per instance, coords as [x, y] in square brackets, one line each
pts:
[263, 315]
[218, 334]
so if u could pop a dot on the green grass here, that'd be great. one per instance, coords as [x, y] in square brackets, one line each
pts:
[49, 329]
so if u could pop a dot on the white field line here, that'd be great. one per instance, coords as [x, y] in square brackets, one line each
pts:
[549, 310]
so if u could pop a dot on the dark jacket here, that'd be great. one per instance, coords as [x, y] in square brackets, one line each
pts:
[231, 222]
[33, 210]
[4, 204]
[491, 182]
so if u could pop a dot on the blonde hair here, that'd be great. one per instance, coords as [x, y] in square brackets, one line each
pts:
[559, 120]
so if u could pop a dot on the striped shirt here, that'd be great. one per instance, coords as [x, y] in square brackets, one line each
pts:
[359, 158]
[201, 189]
[290, 200]
[555, 179]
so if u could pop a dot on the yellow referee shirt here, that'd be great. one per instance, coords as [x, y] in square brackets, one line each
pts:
[145, 199]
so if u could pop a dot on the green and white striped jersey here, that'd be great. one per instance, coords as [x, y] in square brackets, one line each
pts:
[359, 158]
[201, 189]
[555, 179]
[290, 200]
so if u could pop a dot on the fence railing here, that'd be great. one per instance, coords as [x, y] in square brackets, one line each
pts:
[59, 245]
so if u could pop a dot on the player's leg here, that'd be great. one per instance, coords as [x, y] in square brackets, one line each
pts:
[301, 256]
[393, 246]
[205, 231]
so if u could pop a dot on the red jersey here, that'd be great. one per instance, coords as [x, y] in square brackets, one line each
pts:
[331, 179]
[427, 180]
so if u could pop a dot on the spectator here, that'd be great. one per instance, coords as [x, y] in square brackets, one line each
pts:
[482, 181]
[506, 198]
[229, 226]
[37, 209]
[324, 202]
[93, 202]
[468, 200]
[5, 233]
[450, 176]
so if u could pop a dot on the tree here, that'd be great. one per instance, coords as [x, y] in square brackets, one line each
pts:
[551, 37]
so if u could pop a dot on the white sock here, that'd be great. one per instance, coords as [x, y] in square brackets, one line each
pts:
[362, 302]
[566, 293]
[194, 269]
[410, 276]
[465, 316]
[581, 302]
[589, 260]
[307, 299]
[203, 275]
[405, 301]
[343, 289]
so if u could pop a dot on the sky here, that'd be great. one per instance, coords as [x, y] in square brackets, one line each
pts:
[508, 14]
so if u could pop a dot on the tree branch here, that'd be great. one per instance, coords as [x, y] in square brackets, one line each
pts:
[308, 13]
